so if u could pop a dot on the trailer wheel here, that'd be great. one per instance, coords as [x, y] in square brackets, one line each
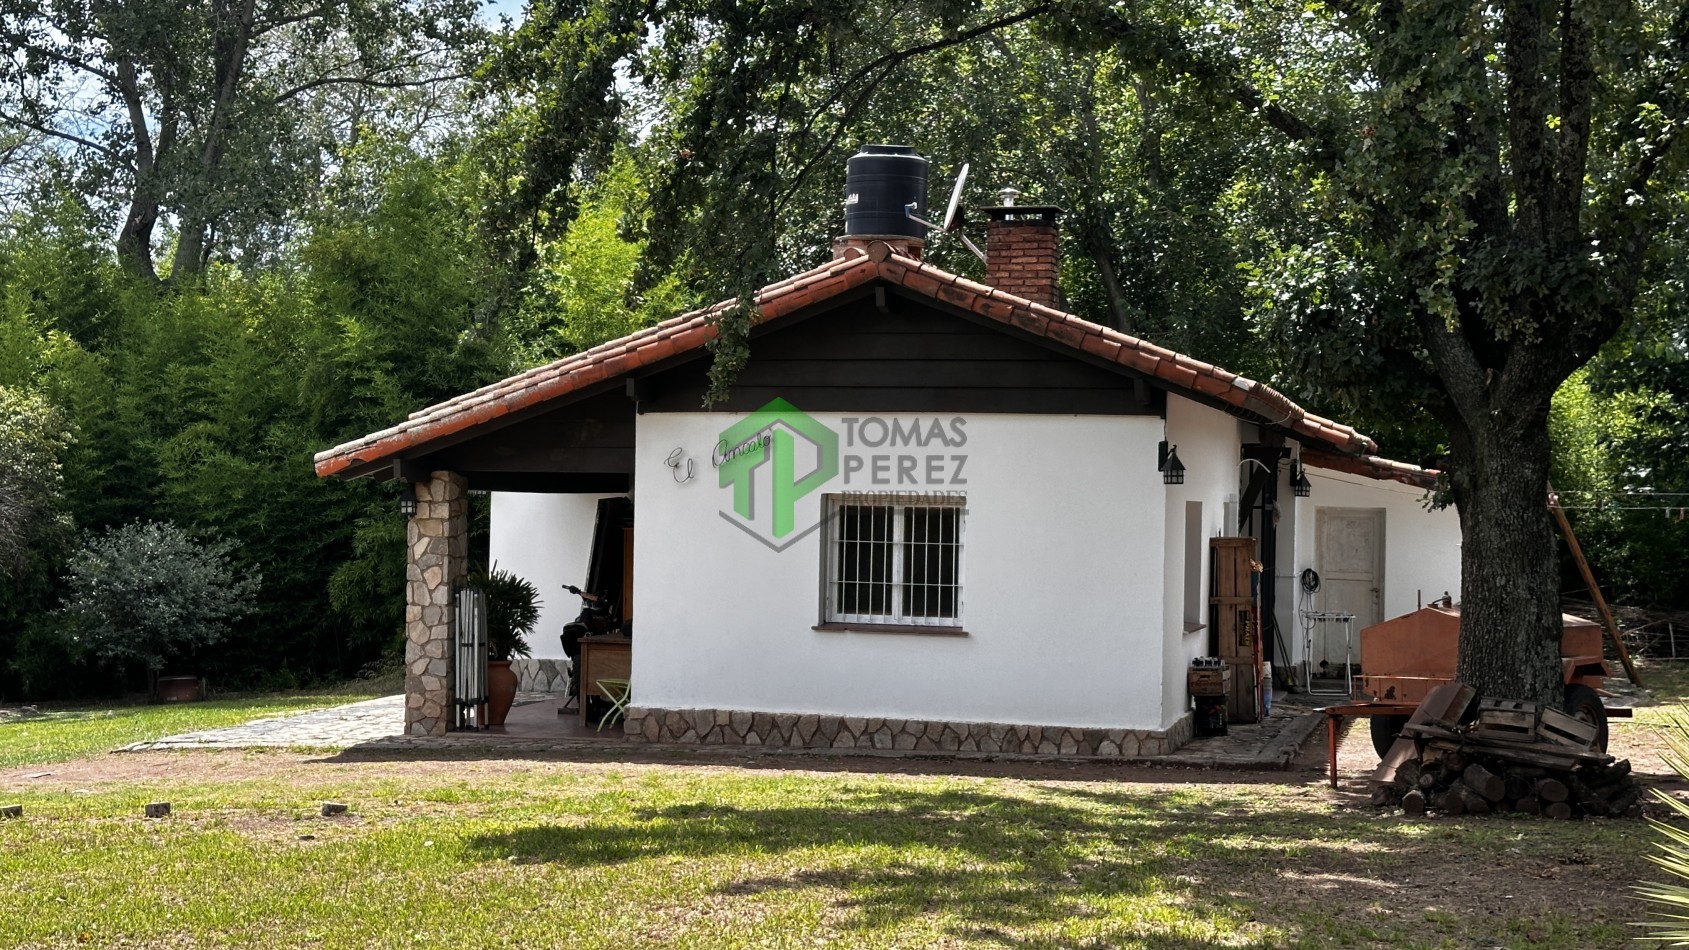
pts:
[1385, 730]
[1585, 704]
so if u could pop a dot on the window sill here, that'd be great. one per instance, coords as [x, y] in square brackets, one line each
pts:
[889, 628]
[1195, 627]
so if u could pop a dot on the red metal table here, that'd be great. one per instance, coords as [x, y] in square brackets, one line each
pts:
[1334, 716]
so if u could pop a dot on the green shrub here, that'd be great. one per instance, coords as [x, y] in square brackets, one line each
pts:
[148, 593]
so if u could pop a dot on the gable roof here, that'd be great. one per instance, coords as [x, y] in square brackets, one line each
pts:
[857, 267]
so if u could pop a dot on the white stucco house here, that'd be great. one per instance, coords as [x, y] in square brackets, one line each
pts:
[933, 513]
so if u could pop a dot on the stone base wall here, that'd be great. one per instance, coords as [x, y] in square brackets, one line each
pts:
[540, 676]
[809, 731]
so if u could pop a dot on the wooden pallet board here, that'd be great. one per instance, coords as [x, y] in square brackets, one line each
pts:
[1507, 719]
[1565, 730]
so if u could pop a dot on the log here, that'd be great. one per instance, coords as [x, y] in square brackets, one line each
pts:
[1452, 802]
[1476, 804]
[1558, 810]
[1545, 755]
[1454, 762]
[1552, 790]
[1484, 782]
[1382, 795]
[1624, 801]
[1611, 773]
[1407, 774]
[1596, 800]
[1413, 803]
[1518, 786]
[1529, 805]
[1601, 789]
[1428, 780]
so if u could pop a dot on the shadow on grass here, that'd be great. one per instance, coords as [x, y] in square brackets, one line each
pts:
[1013, 871]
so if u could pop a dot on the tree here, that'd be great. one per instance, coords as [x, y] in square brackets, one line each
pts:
[1466, 199]
[583, 287]
[207, 115]
[1489, 195]
[148, 593]
[33, 436]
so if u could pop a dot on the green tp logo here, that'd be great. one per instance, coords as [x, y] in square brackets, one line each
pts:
[765, 499]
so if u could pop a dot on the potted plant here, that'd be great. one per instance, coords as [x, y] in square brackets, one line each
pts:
[512, 611]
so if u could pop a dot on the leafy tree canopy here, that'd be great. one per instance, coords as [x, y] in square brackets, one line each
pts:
[1463, 201]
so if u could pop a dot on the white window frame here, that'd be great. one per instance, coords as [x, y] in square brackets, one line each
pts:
[897, 615]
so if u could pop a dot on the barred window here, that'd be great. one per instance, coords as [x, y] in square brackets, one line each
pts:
[894, 563]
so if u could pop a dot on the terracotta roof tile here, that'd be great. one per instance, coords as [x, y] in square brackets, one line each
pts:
[1064, 332]
[1098, 345]
[690, 331]
[1211, 385]
[1371, 466]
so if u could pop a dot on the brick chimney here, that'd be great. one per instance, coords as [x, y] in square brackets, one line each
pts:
[1020, 250]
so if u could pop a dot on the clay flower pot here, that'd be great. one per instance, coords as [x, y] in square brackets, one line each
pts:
[501, 691]
[178, 689]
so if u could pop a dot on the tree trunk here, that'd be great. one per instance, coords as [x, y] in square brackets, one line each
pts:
[1510, 580]
[134, 241]
[233, 42]
[189, 262]
[1101, 247]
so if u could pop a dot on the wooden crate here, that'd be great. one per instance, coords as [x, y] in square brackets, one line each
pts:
[1507, 719]
[1209, 682]
[1565, 730]
[1243, 700]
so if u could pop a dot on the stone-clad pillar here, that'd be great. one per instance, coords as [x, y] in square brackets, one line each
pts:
[437, 545]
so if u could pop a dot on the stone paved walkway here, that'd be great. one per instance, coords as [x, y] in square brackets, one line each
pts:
[337, 727]
[379, 724]
[1271, 743]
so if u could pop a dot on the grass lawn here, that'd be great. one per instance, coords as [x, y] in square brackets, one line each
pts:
[646, 848]
[681, 852]
[62, 735]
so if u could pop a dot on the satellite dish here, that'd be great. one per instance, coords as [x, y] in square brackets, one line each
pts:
[953, 214]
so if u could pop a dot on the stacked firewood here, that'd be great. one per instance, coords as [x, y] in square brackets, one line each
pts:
[1461, 756]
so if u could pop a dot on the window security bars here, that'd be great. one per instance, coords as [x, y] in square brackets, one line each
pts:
[891, 563]
[469, 679]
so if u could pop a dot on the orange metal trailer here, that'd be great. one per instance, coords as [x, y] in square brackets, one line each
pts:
[1405, 658]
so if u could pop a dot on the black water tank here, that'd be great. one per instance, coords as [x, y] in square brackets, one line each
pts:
[879, 181]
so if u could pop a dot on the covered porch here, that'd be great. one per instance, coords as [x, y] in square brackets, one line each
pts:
[580, 446]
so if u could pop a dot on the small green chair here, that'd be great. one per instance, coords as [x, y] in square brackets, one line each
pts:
[618, 692]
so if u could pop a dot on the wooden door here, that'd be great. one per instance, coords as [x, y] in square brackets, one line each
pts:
[1350, 561]
[627, 573]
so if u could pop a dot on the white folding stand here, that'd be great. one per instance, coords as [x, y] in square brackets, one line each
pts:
[1322, 621]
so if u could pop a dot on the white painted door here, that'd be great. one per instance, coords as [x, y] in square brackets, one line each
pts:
[1350, 560]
